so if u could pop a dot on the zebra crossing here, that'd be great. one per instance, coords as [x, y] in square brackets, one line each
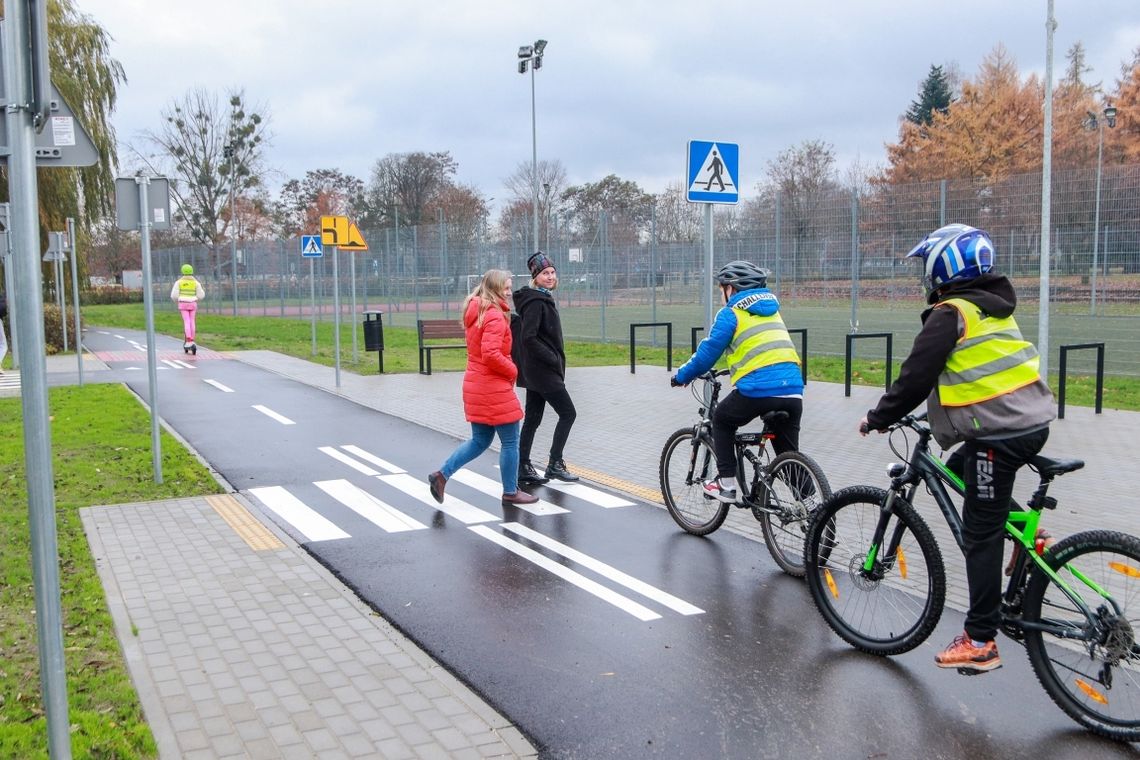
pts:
[391, 507]
[10, 382]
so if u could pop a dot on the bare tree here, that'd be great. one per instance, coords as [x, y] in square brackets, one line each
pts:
[551, 185]
[678, 221]
[406, 183]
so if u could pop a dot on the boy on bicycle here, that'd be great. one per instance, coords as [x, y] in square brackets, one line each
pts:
[983, 388]
[764, 366]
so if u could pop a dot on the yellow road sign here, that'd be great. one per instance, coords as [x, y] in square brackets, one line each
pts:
[338, 231]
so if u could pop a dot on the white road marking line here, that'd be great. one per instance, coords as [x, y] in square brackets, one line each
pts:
[460, 510]
[295, 512]
[623, 603]
[369, 507]
[219, 386]
[270, 413]
[170, 364]
[185, 364]
[592, 495]
[495, 488]
[383, 464]
[601, 568]
[346, 459]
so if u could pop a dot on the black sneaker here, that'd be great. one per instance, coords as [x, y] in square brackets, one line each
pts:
[528, 476]
[557, 469]
[436, 483]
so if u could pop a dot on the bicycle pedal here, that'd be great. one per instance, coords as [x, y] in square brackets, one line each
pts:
[972, 672]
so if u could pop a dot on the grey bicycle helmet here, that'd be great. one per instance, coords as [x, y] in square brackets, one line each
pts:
[742, 275]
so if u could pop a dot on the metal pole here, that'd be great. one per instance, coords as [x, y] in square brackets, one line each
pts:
[779, 257]
[1096, 214]
[708, 291]
[534, 155]
[313, 308]
[148, 307]
[233, 238]
[352, 280]
[28, 302]
[7, 254]
[336, 312]
[854, 262]
[59, 286]
[1046, 198]
[75, 294]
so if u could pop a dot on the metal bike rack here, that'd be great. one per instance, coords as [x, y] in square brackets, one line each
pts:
[1063, 374]
[851, 338]
[668, 343]
[803, 350]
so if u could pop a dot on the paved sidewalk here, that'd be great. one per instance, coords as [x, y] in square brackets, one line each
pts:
[241, 645]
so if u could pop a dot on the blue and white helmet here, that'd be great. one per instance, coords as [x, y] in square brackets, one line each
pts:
[954, 252]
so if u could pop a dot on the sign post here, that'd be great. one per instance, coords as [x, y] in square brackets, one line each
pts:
[712, 176]
[311, 248]
[339, 232]
[72, 246]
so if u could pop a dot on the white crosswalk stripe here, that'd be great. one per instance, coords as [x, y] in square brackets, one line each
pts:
[592, 495]
[451, 506]
[495, 488]
[369, 507]
[308, 522]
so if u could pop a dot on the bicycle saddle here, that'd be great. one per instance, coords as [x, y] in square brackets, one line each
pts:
[1049, 467]
[776, 416]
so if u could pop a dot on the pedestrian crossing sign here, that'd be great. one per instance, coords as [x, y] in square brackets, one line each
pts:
[311, 247]
[713, 172]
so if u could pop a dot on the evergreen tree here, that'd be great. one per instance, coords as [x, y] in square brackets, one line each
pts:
[935, 95]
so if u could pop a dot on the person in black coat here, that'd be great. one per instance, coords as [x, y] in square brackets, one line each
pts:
[541, 359]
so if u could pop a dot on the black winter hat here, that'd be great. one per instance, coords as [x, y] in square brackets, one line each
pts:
[537, 262]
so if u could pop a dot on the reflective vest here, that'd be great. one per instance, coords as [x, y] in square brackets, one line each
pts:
[188, 288]
[990, 359]
[758, 342]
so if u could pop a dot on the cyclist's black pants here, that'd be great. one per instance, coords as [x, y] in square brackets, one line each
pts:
[989, 469]
[536, 402]
[735, 410]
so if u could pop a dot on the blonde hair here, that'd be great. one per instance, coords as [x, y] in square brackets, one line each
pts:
[488, 292]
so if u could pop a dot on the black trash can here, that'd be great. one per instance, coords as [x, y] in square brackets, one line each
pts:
[374, 334]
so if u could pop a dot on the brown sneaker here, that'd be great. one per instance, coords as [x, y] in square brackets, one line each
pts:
[518, 497]
[967, 658]
[436, 483]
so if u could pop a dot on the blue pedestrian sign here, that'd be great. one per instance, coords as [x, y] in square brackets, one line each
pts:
[311, 247]
[713, 175]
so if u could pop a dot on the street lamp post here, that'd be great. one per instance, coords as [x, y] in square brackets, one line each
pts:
[1093, 122]
[228, 151]
[531, 55]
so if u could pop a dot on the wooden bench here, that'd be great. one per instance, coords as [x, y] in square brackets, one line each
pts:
[437, 329]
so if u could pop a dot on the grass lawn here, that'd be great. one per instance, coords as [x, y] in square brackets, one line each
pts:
[101, 455]
[293, 337]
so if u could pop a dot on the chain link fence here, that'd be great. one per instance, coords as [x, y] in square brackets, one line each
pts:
[836, 257]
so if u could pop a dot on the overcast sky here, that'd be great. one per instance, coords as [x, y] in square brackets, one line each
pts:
[624, 84]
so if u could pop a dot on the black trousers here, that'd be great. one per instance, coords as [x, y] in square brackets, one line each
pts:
[989, 469]
[735, 410]
[535, 406]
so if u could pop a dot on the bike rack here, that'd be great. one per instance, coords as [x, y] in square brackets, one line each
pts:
[851, 338]
[803, 350]
[693, 337]
[1099, 375]
[668, 343]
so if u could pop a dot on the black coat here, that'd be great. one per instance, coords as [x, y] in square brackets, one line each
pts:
[540, 356]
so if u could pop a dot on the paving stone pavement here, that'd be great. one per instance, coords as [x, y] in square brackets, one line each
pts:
[259, 652]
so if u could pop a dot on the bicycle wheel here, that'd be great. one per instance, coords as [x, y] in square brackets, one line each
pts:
[891, 608]
[796, 488]
[685, 466]
[1092, 670]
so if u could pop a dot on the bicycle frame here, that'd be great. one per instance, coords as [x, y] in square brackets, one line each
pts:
[1021, 525]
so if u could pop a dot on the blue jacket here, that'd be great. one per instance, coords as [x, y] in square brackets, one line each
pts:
[783, 379]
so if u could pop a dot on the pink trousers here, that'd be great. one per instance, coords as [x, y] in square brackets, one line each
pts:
[188, 309]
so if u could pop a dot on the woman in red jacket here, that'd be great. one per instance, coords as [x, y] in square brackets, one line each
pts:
[489, 399]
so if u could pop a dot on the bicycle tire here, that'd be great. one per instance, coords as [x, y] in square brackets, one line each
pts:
[1073, 674]
[797, 489]
[686, 502]
[888, 615]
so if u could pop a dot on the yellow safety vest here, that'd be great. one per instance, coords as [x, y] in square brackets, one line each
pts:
[758, 342]
[990, 359]
[187, 287]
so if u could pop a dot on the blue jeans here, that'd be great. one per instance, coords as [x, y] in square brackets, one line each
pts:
[481, 437]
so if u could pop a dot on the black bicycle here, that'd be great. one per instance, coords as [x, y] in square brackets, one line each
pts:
[781, 491]
[876, 575]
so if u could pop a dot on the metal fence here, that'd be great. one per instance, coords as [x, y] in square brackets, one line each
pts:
[836, 258]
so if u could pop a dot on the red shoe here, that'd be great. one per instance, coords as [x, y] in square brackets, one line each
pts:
[967, 658]
[518, 497]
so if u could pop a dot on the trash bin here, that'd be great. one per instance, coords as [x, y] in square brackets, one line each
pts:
[374, 334]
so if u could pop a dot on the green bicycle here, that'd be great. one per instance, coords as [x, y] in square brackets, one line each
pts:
[876, 575]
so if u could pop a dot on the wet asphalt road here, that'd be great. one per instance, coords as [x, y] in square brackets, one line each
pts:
[602, 631]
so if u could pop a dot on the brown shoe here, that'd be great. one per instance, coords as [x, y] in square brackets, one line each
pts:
[967, 658]
[436, 483]
[518, 497]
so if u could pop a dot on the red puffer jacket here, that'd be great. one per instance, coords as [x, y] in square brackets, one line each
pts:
[489, 384]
